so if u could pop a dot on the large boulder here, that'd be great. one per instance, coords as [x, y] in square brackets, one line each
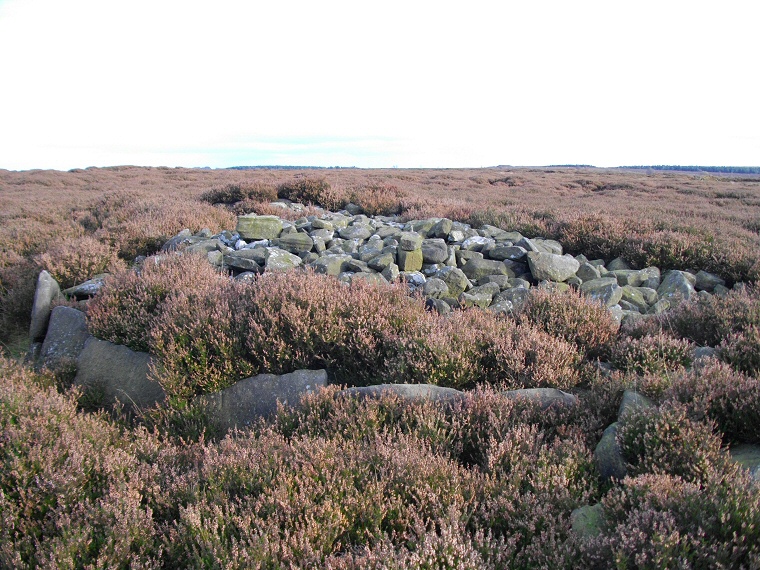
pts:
[406, 392]
[708, 281]
[409, 260]
[281, 260]
[247, 259]
[633, 400]
[455, 280]
[66, 337]
[410, 241]
[256, 397]
[608, 457]
[434, 251]
[604, 290]
[294, 243]
[587, 521]
[478, 268]
[677, 285]
[331, 264]
[552, 267]
[47, 291]
[253, 227]
[117, 373]
[88, 289]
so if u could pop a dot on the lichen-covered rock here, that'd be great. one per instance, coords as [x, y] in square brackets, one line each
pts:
[552, 267]
[608, 456]
[434, 250]
[46, 292]
[294, 243]
[409, 260]
[66, 336]
[88, 289]
[676, 285]
[410, 241]
[587, 521]
[248, 259]
[707, 281]
[455, 280]
[604, 290]
[332, 264]
[253, 227]
[281, 260]
[478, 268]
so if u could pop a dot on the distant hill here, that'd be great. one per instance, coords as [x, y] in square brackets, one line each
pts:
[717, 169]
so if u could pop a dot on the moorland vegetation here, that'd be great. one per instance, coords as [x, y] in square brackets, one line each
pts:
[488, 481]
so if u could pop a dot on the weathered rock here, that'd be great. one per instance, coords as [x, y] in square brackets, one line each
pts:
[204, 246]
[503, 281]
[587, 272]
[545, 397]
[549, 246]
[250, 399]
[659, 307]
[117, 373]
[332, 264]
[87, 289]
[455, 280]
[708, 281]
[552, 267]
[294, 243]
[748, 456]
[479, 268]
[676, 285]
[478, 243]
[409, 260]
[635, 297]
[248, 259]
[66, 335]
[410, 241]
[516, 296]
[604, 290]
[438, 305]
[633, 400]
[435, 288]
[528, 245]
[46, 292]
[441, 229]
[391, 273]
[434, 251]
[281, 260]
[406, 392]
[356, 231]
[182, 238]
[253, 227]
[618, 263]
[608, 457]
[511, 252]
[587, 521]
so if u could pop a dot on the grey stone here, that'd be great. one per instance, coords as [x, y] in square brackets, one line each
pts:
[441, 229]
[631, 277]
[479, 268]
[436, 288]
[503, 281]
[455, 279]
[618, 263]
[88, 289]
[605, 290]
[205, 246]
[294, 243]
[587, 272]
[633, 400]
[544, 397]
[320, 224]
[248, 259]
[708, 281]
[281, 260]
[512, 252]
[409, 260]
[465, 255]
[527, 244]
[434, 251]
[46, 292]
[748, 456]
[516, 296]
[650, 295]
[215, 258]
[477, 243]
[676, 285]
[332, 264]
[438, 305]
[253, 227]
[66, 336]
[480, 299]
[422, 227]
[356, 231]
[659, 307]
[410, 241]
[551, 267]
[391, 273]
[635, 297]
[587, 521]
[405, 392]
[250, 399]
[608, 457]
[118, 373]
[182, 238]
[549, 246]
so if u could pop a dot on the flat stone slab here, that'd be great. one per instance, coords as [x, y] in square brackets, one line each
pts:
[66, 336]
[546, 397]
[243, 403]
[407, 392]
[119, 373]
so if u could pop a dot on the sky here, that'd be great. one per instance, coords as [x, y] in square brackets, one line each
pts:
[406, 84]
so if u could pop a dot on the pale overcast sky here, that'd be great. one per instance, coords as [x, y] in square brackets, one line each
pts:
[378, 84]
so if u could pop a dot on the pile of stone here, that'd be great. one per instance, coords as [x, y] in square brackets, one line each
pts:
[452, 263]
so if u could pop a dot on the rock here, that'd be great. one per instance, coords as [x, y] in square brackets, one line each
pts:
[479, 268]
[204, 246]
[435, 288]
[587, 521]
[551, 267]
[281, 260]
[635, 297]
[117, 373]
[46, 292]
[748, 456]
[391, 273]
[243, 403]
[618, 263]
[369, 277]
[410, 241]
[503, 281]
[477, 243]
[320, 224]
[215, 258]
[702, 355]
[659, 307]
[409, 260]
[633, 400]
[587, 272]
[549, 246]
[248, 259]
[708, 281]
[516, 296]
[652, 277]
[455, 280]
[617, 313]
[441, 229]
[422, 227]
[87, 289]
[676, 286]
[356, 231]
[294, 243]
[332, 264]
[480, 299]
[438, 305]
[630, 277]
[605, 290]
[434, 251]
[464, 255]
[528, 245]
[405, 392]
[66, 336]
[512, 252]
[608, 457]
[182, 238]
[253, 227]
[545, 397]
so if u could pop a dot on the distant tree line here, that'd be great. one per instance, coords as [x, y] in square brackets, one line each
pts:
[718, 169]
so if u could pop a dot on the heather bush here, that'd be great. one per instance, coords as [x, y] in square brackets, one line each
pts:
[742, 350]
[708, 321]
[18, 280]
[572, 317]
[664, 521]
[668, 441]
[379, 199]
[238, 192]
[311, 191]
[717, 393]
[125, 310]
[656, 354]
[75, 260]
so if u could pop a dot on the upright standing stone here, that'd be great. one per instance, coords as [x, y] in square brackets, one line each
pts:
[47, 291]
